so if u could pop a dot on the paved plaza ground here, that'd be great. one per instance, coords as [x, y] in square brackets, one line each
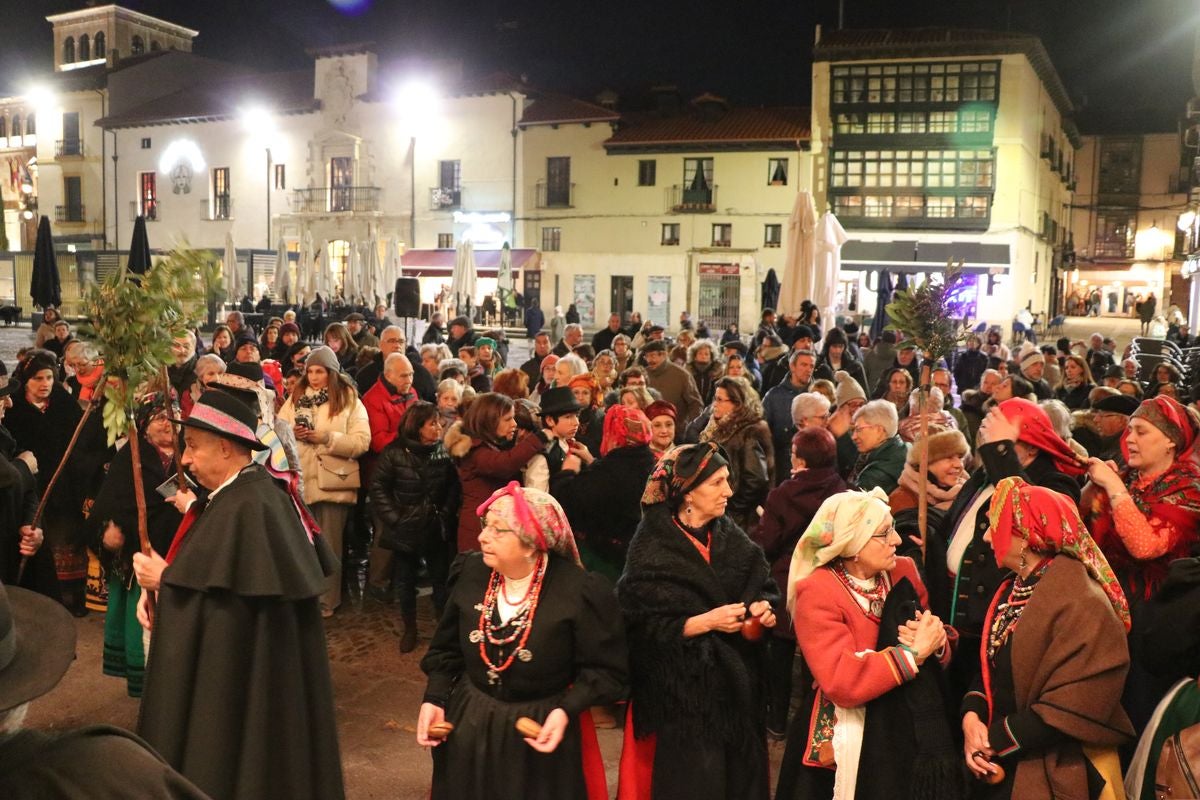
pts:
[377, 689]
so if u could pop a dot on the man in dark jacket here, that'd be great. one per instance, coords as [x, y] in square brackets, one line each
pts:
[674, 383]
[1016, 439]
[541, 349]
[356, 323]
[535, 319]
[777, 408]
[1110, 416]
[231, 628]
[182, 374]
[393, 340]
[602, 339]
[970, 364]
[462, 334]
[435, 333]
[879, 360]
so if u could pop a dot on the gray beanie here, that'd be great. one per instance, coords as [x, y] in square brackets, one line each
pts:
[847, 389]
[323, 357]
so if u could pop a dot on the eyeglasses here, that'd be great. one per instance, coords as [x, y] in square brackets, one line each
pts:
[483, 526]
[861, 428]
[886, 535]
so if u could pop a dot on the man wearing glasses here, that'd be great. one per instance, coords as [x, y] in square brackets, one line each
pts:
[393, 340]
[1110, 417]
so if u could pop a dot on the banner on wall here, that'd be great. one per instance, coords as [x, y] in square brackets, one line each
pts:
[658, 307]
[585, 299]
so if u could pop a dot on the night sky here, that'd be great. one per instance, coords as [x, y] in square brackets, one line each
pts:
[1112, 54]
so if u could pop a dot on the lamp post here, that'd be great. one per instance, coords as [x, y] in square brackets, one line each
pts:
[416, 103]
[259, 124]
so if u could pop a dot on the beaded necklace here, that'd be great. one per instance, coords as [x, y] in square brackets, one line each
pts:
[520, 625]
[875, 596]
[1008, 613]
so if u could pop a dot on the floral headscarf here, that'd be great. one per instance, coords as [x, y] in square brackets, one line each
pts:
[1050, 523]
[681, 468]
[624, 427]
[589, 380]
[1171, 417]
[842, 526]
[152, 404]
[536, 517]
[1037, 431]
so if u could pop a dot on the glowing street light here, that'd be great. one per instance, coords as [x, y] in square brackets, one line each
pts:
[259, 123]
[417, 102]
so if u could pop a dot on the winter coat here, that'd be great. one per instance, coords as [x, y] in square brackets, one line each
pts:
[116, 502]
[482, 469]
[385, 409]
[535, 320]
[434, 334]
[557, 326]
[751, 467]
[676, 386]
[411, 496]
[706, 378]
[790, 507]
[826, 370]
[422, 383]
[968, 369]
[1075, 399]
[777, 411]
[876, 362]
[351, 437]
[883, 466]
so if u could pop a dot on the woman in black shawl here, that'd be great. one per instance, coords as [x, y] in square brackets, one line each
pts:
[694, 593]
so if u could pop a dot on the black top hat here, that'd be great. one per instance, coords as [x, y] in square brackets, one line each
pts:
[37, 644]
[224, 415]
[559, 400]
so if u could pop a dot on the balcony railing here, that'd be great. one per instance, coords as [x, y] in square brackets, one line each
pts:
[444, 198]
[555, 195]
[686, 200]
[69, 214]
[336, 199]
[68, 147]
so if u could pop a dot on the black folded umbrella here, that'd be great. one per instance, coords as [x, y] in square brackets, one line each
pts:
[139, 248]
[883, 296]
[770, 290]
[45, 288]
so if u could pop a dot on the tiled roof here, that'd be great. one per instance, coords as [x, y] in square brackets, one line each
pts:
[552, 109]
[857, 45]
[279, 93]
[788, 125]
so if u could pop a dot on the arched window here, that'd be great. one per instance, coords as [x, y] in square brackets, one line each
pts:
[30, 125]
[137, 46]
[85, 48]
[98, 44]
[16, 128]
[69, 50]
[155, 46]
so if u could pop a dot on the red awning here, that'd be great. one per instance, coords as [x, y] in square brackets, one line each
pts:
[432, 263]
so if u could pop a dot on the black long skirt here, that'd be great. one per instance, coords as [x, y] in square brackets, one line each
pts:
[484, 758]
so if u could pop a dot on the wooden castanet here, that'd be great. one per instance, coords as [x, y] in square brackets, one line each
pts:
[528, 728]
[440, 730]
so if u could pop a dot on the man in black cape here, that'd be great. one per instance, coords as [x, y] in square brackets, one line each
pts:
[238, 694]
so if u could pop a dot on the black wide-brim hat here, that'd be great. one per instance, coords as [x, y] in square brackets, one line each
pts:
[37, 645]
[222, 414]
[559, 400]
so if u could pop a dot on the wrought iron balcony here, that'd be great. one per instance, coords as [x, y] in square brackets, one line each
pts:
[69, 214]
[336, 199]
[68, 147]
[686, 200]
[444, 198]
[555, 195]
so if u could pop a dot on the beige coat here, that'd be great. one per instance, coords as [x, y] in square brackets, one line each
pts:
[351, 437]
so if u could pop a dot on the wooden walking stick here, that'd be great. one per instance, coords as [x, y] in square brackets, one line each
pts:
[923, 493]
[41, 509]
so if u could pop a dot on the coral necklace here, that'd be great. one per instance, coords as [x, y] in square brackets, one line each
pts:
[875, 596]
[520, 625]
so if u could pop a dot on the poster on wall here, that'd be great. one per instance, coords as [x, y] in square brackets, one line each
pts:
[658, 307]
[585, 299]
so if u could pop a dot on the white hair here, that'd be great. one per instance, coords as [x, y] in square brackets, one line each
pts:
[809, 404]
[576, 364]
[451, 385]
[881, 413]
[210, 359]
[1060, 417]
[935, 402]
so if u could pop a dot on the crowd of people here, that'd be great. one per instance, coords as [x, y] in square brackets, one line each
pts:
[653, 530]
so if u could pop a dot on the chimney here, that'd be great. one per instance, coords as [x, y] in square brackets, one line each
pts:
[608, 98]
[666, 98]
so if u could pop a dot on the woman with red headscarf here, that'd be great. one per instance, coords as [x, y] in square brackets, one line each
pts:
[1146, 516]
[526, 633]
[1016, 439]
[604, 499]
[591, 416]
[1043, 716]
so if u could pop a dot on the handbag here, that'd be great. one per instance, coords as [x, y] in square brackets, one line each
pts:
[1177, 775]
[337, 473]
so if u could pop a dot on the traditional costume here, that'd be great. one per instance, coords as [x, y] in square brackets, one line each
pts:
[1054, 655]
[872, 724]
[503, 651]
[238, 694]
[696, 726]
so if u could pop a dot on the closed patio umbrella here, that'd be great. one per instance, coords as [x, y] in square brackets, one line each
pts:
[139, 248]
[350, 283]
[45, 287]
[799, 280]
[883, 296]
[462, 280]
[376, 282]
[827, 265]
[305, 274]
[283, 277]
[229, 269]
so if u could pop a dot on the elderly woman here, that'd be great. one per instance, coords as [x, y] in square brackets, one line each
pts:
[810, 410]
[662, 416]
[622, 353]
[873, 722]
[1146, 516]
[737, 426]
[704, 365]
[604, 368]
[935, 414]
[488, 452]
[332, 431]
[526, 633]
[789, 509]
[881, 452]
[591, 417]
[895, 386]
[1044, 713]
[696, 727]
[1076, 383]
[635, 397]
[945, 476]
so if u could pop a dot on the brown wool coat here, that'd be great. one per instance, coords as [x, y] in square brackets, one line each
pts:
[1069, 662]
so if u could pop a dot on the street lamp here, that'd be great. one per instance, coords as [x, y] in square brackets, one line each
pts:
[416, 102]
[260, 125]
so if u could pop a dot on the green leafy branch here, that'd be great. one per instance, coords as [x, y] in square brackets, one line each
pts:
[931, 313]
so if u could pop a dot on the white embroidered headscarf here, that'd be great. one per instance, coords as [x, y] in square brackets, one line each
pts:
[842, 526]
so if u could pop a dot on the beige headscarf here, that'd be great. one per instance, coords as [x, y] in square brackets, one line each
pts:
[842, 526]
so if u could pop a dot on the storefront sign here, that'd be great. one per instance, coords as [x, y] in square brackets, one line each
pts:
[720, 269]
